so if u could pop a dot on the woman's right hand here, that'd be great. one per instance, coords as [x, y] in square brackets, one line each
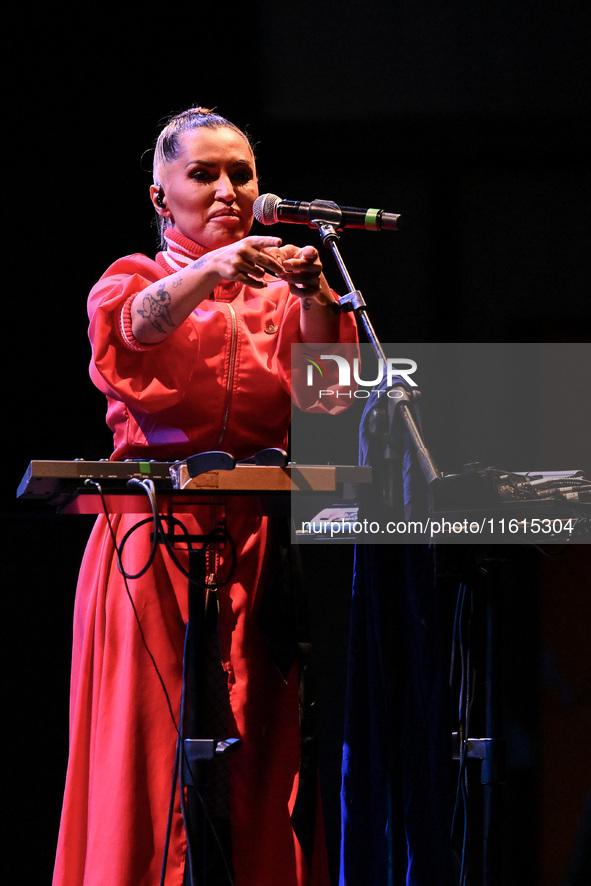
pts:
[162, 307]
[245, 261]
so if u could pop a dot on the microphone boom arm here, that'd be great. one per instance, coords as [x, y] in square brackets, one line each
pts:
[353, 301]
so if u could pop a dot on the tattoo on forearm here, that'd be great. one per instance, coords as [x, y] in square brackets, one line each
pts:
[155, 309]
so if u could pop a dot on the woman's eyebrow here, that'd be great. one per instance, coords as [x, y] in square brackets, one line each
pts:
[210, 163]
[200, 162]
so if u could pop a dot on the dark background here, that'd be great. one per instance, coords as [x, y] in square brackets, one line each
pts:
[470, 120]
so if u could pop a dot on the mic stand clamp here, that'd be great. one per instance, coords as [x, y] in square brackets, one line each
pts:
[199, 752]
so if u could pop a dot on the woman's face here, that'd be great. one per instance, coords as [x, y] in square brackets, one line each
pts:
[210, 187]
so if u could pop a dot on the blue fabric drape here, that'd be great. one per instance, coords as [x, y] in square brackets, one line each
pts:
[396, 768]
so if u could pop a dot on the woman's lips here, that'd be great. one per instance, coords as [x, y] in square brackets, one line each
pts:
[225, 214]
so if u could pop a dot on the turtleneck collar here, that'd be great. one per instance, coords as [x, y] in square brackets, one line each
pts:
[180, 251]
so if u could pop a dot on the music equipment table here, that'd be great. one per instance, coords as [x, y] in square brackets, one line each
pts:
[89, 487]
[72, 487]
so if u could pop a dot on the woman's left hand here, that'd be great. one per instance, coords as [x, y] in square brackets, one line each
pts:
[302, 269]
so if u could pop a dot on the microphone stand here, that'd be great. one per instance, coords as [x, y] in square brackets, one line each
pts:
[353, 301]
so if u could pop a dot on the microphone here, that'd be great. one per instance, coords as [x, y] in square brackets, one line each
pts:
[269, 209]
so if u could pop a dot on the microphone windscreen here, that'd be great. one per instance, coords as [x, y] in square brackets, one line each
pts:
[264, 208]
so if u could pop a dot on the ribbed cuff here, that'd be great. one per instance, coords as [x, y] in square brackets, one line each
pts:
[125, 328]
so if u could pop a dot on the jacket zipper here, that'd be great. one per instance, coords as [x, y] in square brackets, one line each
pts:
[231, 370]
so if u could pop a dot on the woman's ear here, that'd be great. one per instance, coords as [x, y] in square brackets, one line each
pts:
[159, 201]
